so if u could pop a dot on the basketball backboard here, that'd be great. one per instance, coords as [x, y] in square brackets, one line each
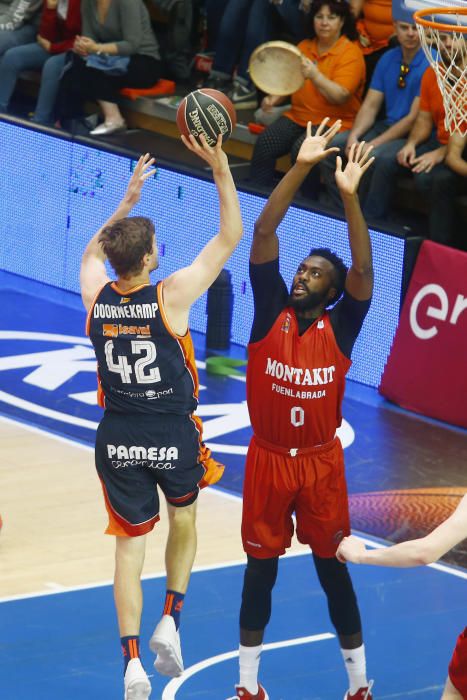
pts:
[403, 9]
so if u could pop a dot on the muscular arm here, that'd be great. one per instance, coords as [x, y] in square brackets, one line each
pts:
[265, 245]
[454, 159]
[93, 274]
[183, 287]
[359, 282]
[424, 550]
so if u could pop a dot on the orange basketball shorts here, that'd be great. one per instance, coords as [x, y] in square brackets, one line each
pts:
[458, 665]
[311, 485]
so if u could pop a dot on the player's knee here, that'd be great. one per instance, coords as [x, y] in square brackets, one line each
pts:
[182, 516]
[259, 580]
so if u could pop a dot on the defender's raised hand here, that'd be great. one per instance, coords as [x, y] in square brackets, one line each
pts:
[359, 161]
[213, 155]
[314, 148]
[140, 174]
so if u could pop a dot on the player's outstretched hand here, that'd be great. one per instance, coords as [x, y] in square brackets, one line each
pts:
[359, 161]
[350, 549]
[213, 155]
[139, 176]
[314, 148]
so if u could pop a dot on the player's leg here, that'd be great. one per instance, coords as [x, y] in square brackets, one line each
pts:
[267, 529]
[345, 616]
[255, 612]
[129, 560]
[179, 556]
[322, 520]
[450, 692]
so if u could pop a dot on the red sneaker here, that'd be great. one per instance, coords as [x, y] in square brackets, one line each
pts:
[361, 694]
[244, 694]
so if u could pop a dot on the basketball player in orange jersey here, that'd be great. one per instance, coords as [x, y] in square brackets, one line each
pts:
[416, 553]
[298, 356]
[148, 384]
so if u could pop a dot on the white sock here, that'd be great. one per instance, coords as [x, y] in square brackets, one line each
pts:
[355, 665]
[249, 664]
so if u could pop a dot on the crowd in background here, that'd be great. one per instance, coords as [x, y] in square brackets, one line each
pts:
[359, 66]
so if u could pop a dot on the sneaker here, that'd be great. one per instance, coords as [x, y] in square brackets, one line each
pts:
[243, 96]
[107, 128]
[165, 642]
[136, 682]
[244, 694]
[361, 694]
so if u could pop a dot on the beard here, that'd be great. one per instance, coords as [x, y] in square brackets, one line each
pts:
[307, 302]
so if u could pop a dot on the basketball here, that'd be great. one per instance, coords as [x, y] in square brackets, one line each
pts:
[208, 112]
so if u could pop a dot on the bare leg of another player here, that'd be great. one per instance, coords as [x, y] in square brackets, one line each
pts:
[450, 692]
[179, 556]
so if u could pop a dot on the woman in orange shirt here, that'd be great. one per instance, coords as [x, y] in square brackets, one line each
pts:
[375, 28]
[334, 72]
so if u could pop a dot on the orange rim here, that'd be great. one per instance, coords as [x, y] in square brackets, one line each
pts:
[420, 15]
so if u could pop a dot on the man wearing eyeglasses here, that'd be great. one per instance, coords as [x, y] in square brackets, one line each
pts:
[395, 85]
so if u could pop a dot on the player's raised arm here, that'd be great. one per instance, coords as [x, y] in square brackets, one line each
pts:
[424, 550]
[93, 274]
[265, 245]
[183, 287]
[359, 282]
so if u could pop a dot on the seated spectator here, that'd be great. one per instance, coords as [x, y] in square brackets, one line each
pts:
[396, 84]
[334, 72]
[423, 154]
[19, 20]
[375, 28]
[111, 30]
[245, 25]
[60, 23]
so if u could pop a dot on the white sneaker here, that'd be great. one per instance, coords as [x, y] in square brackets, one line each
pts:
[136, 682]
[165, 642]
[107, 128]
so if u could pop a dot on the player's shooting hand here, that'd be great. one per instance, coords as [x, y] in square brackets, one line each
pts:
[358, 163]
[140, 174]
[314, 148]
[213, 155]
[350, 549]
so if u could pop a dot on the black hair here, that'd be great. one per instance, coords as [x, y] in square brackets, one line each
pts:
[340, 270]
[337, 7]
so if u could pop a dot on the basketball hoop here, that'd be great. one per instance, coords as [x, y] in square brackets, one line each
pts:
[443, 34]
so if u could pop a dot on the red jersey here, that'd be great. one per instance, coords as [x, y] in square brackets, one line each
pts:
[295, 383]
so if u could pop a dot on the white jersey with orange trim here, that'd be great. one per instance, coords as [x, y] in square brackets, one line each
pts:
[143, 366]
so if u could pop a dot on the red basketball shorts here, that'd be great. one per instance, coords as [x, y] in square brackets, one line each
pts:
[458, 665]
[312, 485]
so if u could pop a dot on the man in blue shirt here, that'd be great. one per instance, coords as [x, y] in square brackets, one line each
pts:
[396, 86]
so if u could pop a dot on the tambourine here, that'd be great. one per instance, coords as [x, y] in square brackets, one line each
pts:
[276, 68]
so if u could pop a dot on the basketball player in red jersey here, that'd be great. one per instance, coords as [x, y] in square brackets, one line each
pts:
[148, 385]
[298, 356]
[424, 550]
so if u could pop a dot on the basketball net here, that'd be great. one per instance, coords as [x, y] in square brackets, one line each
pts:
[443, 34]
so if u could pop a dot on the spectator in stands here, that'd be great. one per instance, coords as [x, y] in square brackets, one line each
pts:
[59, 25]
[423, 155]
[118, 49]
[245, 25]
[19, 20]
[334, 72]
[396, 85]
[375, 28]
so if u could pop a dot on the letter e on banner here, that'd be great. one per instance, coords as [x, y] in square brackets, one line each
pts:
[426, 369]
